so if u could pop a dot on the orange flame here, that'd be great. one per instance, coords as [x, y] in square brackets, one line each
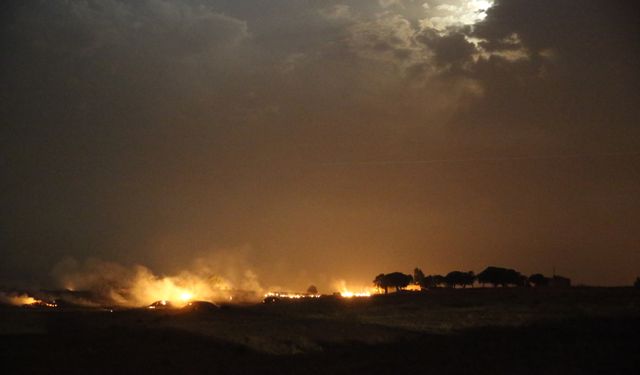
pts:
[350, 292]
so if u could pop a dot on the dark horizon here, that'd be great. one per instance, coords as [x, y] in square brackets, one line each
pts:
[289, 143]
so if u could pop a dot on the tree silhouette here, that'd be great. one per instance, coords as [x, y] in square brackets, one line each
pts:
[469, 278]
[460, 278]
[439, 280]
[501, 276]
[433, 281]
[538, 279]
[312, 289]
[452, 279]
[418, 277]
[396, 280]
[380, 283]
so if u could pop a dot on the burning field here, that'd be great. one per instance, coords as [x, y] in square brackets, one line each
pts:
[112, 318]
[24, 300]
[106, 285]
[493, 331]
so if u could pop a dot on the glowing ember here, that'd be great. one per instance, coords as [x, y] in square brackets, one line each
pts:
[163, 304]
[43, 304]
[291, 295]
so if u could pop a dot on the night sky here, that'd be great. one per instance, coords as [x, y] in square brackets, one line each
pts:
[313, 141]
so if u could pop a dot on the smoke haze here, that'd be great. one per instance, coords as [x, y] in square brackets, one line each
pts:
[270, 143]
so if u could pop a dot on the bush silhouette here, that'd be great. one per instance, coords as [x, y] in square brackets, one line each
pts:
[312, 289]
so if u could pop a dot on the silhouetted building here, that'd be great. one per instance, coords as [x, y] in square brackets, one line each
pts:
[559, 282]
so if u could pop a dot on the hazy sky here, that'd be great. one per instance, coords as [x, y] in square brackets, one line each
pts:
[283, 135]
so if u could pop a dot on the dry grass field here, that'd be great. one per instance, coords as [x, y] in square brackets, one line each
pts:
[479, 331]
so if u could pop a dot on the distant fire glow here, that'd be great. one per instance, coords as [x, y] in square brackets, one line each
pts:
[112, 284]
[179, 290]
[22, 300]
[138, 286]
[159, 304]
[354, 292]
[413, 288]
[341, 290]
[348, 294]
[25, 300]
[291, 295]
[186, 296]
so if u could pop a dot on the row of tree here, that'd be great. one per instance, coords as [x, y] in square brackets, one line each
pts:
[496, 276]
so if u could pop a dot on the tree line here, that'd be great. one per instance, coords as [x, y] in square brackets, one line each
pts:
[495, 276]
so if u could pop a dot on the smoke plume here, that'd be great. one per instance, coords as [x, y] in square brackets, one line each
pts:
[113, 283]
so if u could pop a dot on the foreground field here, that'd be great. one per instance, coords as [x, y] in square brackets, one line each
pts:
[482, 331]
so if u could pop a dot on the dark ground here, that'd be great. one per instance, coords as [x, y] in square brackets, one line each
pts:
[571, 331]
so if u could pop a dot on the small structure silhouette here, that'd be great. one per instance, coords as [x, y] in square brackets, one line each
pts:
[559, 282]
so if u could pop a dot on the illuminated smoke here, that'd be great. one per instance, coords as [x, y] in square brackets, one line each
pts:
[112, 283]
[17, 299]
[22, 299]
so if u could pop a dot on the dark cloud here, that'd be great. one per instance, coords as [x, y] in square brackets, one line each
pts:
[572, 75]
[450, 49]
